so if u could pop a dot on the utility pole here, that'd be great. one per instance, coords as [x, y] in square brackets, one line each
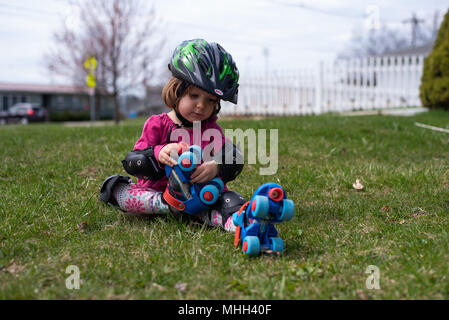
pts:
[436, 25]
[414, 21]
[90, 65]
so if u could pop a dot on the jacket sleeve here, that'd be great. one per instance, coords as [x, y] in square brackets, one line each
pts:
[228, 156]
[151, 136]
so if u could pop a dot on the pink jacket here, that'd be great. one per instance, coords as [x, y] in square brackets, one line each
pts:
[155, 132]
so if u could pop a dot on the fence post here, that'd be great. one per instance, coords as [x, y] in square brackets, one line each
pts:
[318, 88]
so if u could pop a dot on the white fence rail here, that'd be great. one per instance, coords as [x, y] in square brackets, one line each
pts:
[357, 84]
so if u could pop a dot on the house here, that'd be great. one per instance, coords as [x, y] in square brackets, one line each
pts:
[153, 103]
[61, 101]
[423, 50]
[132, 105]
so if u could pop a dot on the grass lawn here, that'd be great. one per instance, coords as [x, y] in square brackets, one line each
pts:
[50, 178]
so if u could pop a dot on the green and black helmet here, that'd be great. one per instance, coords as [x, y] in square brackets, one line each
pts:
[207, 66]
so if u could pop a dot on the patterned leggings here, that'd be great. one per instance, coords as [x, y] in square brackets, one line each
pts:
[135, 199]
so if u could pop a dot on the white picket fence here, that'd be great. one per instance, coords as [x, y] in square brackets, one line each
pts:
[356, 84]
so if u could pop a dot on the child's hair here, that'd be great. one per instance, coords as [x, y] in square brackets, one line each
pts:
[170, 97]
[169, 92]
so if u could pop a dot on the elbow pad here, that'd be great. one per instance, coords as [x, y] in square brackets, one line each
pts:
[230, 162]
[143, 164]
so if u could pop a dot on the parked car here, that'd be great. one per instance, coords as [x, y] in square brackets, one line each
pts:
[24, 113]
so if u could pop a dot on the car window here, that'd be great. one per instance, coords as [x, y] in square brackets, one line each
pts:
[21, 107]
[18, 109]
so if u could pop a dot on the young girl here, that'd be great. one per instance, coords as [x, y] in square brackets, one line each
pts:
[203, 73]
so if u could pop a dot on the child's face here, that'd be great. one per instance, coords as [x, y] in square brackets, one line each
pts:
[197, 104]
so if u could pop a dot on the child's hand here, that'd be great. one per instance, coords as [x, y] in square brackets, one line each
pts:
[164, 154]
[205, 172]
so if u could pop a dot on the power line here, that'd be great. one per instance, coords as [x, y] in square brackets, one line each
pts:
[20, 15]
[301, 5]
[234, 40]
[26, 9]
[319, 10]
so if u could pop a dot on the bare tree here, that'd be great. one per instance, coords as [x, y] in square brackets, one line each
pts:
[388, 39]
[374, 42]
[124, 37]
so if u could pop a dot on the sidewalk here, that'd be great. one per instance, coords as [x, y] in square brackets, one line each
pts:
[406, 112]
[89, 123]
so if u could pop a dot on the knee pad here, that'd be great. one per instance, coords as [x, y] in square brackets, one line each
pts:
[228, 203]
[143, 164]
[230, 161]
[107, 188]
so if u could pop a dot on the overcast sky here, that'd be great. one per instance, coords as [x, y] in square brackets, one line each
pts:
[274, 34]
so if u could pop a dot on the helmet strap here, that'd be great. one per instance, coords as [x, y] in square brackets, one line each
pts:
[186, 123]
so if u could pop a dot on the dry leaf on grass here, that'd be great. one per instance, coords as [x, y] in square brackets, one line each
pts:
[357, 185]
[361, 294]
[385, 209]
[181, 286]
[13, 267]
[158, 286]
[82, 225]
[417, 212]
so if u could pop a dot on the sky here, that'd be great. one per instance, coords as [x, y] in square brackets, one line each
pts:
[260, 34]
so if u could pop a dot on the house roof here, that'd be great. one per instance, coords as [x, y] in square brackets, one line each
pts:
[42, 88]
[412, 51]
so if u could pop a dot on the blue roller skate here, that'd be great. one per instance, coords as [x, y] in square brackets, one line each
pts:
[180, 193]
[268, 205]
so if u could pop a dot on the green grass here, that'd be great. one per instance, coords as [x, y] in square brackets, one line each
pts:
[51, 174]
